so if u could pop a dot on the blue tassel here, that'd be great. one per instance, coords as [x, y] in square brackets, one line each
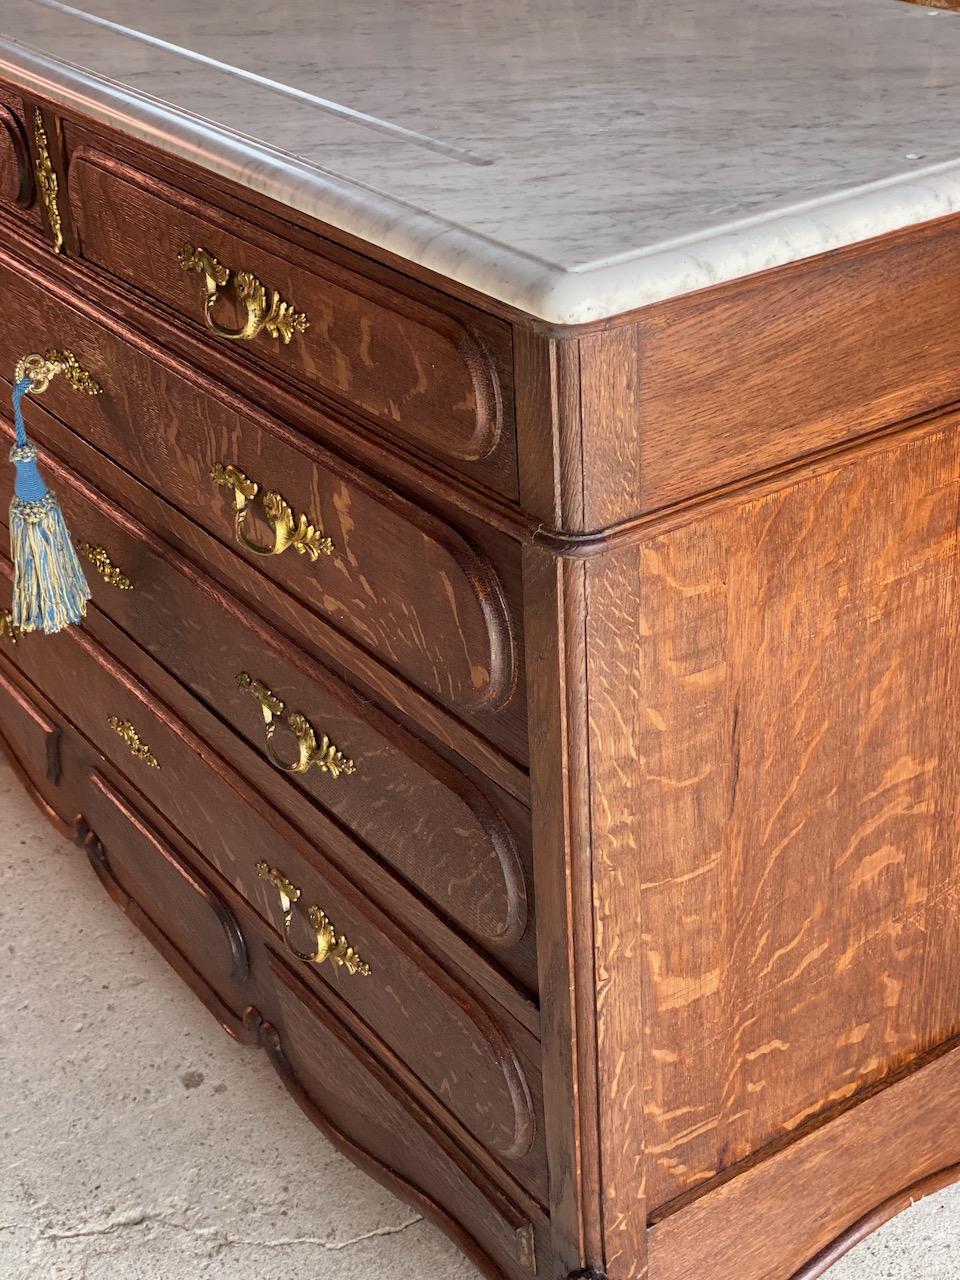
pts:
[50, 591]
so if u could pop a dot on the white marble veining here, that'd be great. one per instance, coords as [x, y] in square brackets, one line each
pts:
[574, 160]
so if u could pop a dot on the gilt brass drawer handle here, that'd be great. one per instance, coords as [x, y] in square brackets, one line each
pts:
[107, 570]
[288, 530]
[7, 629]
[322, 754]
[279, 318]
[135, 743]
[328, 945]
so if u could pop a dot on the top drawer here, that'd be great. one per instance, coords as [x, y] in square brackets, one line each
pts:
[440, 380]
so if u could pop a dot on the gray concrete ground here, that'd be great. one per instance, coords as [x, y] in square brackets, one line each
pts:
[137, 1142]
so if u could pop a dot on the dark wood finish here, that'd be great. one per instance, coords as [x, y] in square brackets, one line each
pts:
[432, 824]
[309, 1054]
[279, 610]
[269, 793]
[716, 555]
[30, 738]
[167, 899]
[407, 587]
[488, 1073]
[17, 186]
[562, 873]
[502, 1231]
[432, 376]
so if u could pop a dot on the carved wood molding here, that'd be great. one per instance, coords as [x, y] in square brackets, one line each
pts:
[18, 172]
[875, 1219]
[269, 1039]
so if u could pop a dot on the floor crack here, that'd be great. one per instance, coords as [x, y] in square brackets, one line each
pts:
[215, 1237]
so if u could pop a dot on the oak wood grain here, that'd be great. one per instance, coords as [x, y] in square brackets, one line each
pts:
[451, 841]
[724, 538]
[691, 394]
[487, 1076]
[425, 373]
[779, 685]
[771, 1222]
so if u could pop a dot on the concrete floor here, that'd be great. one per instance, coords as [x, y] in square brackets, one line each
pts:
[137, 1142]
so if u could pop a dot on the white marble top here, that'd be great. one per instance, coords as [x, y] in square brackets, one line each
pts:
[573, 159]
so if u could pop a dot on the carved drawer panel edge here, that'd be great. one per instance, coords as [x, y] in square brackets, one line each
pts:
[423, 373]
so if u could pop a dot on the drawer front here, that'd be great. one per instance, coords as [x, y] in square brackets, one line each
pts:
[17, 184]
[174, 904]
[27, 735]
[344, 1091]
[432, 377]
[398, 581]
[479, 1066]
[416, 812]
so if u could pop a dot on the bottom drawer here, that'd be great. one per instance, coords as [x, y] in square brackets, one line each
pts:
[172, 903]
[370, 1117]
[28, 737]
[473, 1062]
[350, 1096]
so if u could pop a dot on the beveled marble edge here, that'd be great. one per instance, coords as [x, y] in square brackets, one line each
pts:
[539, 288]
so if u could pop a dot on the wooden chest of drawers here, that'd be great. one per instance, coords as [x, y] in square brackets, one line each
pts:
[551, 768]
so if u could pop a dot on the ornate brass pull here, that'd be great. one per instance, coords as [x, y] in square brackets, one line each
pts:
[42, 369]
[328, 945]
[47, 181]
[288, 530]
[7, 630]
[107, 570]
[280, 319]
[322, 754]
[135, 743]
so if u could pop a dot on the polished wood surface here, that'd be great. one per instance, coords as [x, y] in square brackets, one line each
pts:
[465, 848]
[641, 639]
[488, 1076]
[404, 365]
[17, 185]
[400, 582]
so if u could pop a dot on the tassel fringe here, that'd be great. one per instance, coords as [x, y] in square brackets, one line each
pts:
[50, 591]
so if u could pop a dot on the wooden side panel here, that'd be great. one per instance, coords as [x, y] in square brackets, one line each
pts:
[698, 392]
[774, 697]
[812, 1202]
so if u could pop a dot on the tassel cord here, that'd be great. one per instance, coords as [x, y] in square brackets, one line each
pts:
[29, 485]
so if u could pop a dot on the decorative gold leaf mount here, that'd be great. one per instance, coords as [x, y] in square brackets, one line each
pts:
[47, 181]
[289, 530]
[137, 747]
[263, 309]
[328, 945]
